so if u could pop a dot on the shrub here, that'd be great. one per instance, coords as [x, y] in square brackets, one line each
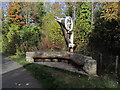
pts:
[16, 40]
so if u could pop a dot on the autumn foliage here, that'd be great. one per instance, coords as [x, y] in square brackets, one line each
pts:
[111, 11]
[13, 16]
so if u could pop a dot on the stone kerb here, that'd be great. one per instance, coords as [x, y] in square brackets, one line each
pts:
[77, 57]
[29, 57]
[89, 63]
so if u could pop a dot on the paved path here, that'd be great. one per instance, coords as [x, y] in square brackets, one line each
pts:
[15, 76]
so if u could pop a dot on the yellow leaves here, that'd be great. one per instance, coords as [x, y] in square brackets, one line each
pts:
[9, 36]
[111, 11]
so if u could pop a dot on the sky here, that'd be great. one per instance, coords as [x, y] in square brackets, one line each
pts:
[60, 0]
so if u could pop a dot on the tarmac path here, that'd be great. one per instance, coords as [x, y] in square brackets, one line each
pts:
[15, 76]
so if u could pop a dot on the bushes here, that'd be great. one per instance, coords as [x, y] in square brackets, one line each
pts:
[8, 40]
[16, 40]
[30, 38]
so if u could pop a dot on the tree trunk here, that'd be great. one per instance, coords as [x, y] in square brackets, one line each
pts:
[64, 34]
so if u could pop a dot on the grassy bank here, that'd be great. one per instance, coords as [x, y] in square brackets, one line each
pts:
[57, 78]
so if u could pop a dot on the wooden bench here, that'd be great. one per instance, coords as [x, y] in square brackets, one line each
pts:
[89, 64]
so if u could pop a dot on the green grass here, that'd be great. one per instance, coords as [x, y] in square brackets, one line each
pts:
[57, 78]
[20, 59]
[0, 42]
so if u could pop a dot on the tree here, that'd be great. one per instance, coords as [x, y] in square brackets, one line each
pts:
[69, 10]
[32, 12]
[11, 28]
[82, 25]
[51, 29]
[104, 38]
[40, 12]
[106, 26]
[111, 11]
[13, 14]
[17, 36]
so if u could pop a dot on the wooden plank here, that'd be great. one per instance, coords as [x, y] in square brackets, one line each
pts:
[59, 57]
[52, 57]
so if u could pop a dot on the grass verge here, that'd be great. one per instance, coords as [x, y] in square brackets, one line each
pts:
[57, 78]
